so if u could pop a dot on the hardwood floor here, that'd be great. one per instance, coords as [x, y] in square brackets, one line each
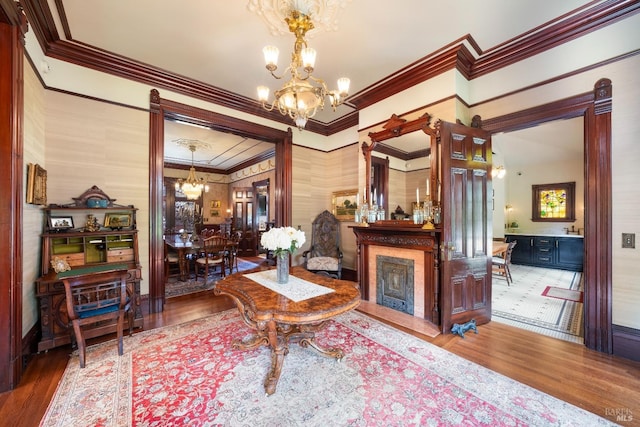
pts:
[596, 382]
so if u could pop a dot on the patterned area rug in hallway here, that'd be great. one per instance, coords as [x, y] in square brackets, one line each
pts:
[524, 305]
[175, 287]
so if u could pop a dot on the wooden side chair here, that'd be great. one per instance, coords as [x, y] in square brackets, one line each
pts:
[501, 265]
[213, 253]
[97, 297]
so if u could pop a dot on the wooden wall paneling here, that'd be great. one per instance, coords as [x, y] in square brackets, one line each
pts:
[12, 29]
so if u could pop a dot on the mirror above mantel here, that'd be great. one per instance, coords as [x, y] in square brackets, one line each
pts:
[399, 165]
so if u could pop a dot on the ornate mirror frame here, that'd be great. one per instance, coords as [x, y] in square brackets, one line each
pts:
[394, 128]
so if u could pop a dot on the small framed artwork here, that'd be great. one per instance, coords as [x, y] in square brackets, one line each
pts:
[215, 203]
[36, 184]
[60, 223]
[117, 220]
[214, 213]
[345, 204]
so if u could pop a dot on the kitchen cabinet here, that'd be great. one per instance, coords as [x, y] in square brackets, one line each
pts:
[565, 253]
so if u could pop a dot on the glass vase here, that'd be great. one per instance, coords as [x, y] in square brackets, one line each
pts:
[282, 267]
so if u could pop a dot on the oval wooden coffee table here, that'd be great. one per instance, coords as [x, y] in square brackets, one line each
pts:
[279, 320]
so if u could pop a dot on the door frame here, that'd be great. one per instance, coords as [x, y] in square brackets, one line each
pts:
[595, 109]
[161, 109]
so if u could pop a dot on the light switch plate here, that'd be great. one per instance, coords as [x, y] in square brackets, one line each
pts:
[629, 240]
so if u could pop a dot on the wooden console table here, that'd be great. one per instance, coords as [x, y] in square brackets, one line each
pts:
[279, 320]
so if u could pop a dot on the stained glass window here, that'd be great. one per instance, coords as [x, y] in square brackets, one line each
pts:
[554, 202]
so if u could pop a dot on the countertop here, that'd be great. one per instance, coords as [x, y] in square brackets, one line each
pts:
[578, 236]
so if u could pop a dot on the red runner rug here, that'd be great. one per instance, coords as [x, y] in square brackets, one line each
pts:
[563, 293]
[188, 375]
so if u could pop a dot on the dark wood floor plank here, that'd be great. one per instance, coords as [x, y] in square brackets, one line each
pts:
[593, 381]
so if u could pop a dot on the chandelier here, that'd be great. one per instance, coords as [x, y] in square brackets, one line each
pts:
[301, 96]
[192, 186]
[498, 172]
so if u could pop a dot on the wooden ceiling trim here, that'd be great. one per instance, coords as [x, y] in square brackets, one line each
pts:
[455, 55]
[562, 32]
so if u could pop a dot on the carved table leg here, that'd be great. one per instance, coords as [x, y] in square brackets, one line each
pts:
[307, 339]
[279, 349]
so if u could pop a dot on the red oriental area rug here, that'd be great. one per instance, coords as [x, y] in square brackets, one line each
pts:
[563, 293]
[188, 375]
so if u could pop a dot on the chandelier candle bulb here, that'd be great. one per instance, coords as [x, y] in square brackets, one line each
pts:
[303, 95]
[271, 57]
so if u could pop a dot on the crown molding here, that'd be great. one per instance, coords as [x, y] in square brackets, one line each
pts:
[463, 55]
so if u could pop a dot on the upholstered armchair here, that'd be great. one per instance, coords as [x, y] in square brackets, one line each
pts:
[324, 256]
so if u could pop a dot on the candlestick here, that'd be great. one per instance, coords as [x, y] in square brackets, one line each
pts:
[375, 198]
[427, 186]
[358, 199]
[417, 195]
[381, 197]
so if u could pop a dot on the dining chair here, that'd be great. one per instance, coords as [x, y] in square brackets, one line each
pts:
[213, 253]
[501, 265]
[170, 259]
[97, 297]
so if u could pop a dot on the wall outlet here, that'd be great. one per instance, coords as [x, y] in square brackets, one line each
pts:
[629, 240]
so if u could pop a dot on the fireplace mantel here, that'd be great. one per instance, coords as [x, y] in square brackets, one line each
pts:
[405, 241]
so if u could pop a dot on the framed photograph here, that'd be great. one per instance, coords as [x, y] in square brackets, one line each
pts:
[36, 184]
[117, 220]
[215, 203]
[345, 204]
[60, 223]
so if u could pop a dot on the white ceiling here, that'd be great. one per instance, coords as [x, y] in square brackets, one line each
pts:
[219, 42]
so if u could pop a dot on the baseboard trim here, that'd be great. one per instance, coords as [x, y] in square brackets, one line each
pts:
[626, 342]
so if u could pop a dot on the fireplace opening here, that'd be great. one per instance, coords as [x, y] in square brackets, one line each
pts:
[394, 283]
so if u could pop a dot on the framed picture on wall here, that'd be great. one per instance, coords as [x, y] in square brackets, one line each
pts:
[214, 213]
[345, 204]
[215, 204]
[36, 184]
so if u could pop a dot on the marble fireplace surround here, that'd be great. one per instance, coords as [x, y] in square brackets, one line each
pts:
[398, 240]
[418, 283]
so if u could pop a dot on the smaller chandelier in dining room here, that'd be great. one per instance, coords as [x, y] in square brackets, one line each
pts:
[303, 94]
[192, 187]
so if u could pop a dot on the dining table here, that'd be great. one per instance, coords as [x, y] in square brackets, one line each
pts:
[499, 248]
[184, 246]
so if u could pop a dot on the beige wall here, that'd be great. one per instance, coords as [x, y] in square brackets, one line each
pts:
[95, 143]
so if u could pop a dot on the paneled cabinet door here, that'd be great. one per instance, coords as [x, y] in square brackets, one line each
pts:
[570, 253]
[522, 250]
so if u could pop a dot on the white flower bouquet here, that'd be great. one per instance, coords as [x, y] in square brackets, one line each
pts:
[282, 239]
